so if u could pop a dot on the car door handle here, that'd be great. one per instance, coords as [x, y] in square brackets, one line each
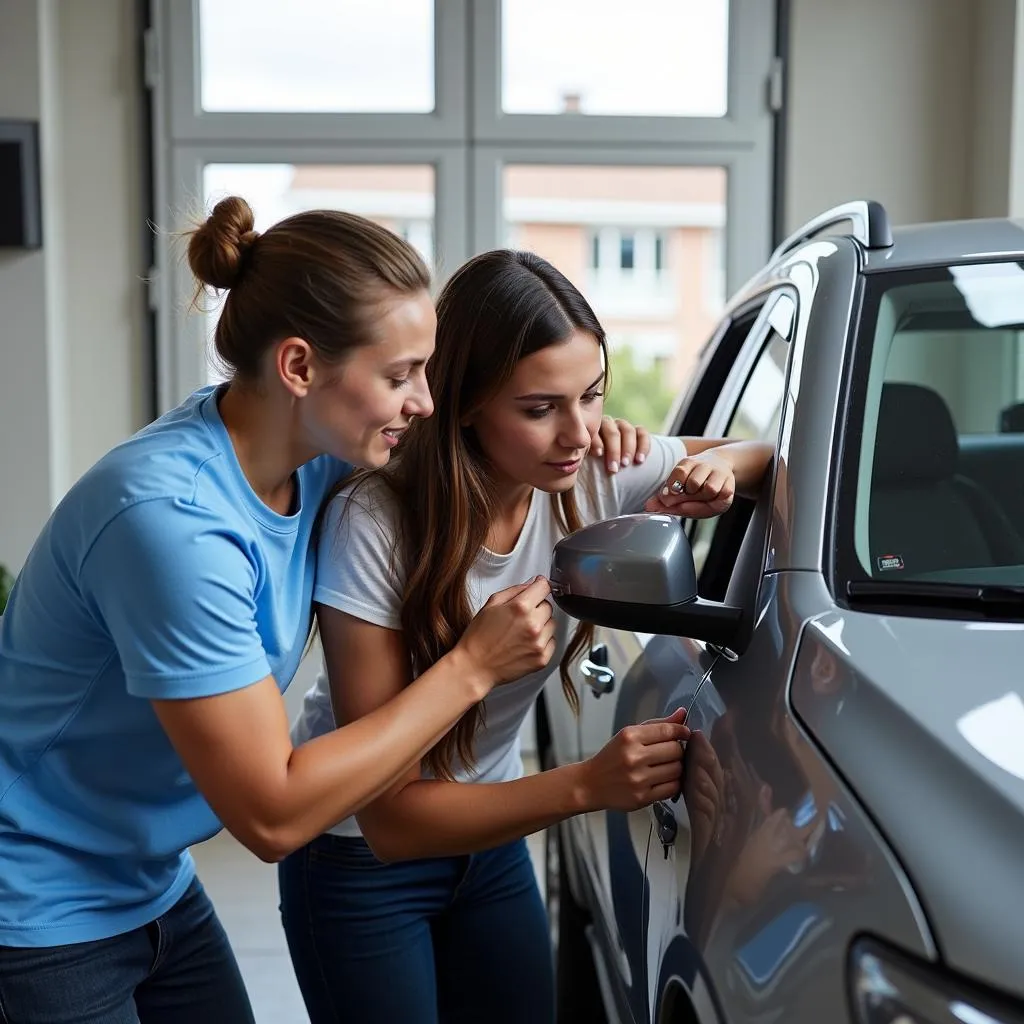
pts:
[596, 673]
[665, 824]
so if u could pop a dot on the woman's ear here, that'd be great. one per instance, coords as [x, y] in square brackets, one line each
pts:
[295, 365]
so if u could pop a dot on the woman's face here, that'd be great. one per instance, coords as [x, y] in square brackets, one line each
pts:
[359, 412]
[537, 430]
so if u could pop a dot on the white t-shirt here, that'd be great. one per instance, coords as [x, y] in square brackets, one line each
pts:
[354, 574]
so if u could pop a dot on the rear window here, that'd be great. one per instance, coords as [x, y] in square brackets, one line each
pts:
[933, 473]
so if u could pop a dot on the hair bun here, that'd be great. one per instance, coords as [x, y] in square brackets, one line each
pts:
[218, 248]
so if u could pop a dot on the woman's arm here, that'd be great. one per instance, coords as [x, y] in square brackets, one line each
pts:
[274, 797]
[714, 471]
[368, 665]
[748, 460]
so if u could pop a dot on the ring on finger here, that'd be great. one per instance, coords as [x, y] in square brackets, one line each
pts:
[676, 487]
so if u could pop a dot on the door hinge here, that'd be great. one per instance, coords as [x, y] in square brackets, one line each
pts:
[776, 85]
[150, 58]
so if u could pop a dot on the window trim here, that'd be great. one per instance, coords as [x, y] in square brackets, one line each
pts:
[751, 24]
[188, 122]
[748, 192]
[731, 528]
[183, 362]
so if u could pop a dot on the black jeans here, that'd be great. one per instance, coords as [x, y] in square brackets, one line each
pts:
[178, 969]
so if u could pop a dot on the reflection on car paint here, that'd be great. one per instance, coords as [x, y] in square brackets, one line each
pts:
[995, 730]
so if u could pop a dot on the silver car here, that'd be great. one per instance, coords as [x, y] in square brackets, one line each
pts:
[848, 845]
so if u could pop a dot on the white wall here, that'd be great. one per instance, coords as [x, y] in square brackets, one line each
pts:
[109, 362]
[72, 359]
[26, 437]
[991, 109]
[887, 102]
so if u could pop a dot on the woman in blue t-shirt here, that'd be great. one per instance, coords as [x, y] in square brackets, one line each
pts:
[166, 604]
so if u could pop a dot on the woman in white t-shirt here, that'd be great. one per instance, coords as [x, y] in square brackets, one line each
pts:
[475, 501]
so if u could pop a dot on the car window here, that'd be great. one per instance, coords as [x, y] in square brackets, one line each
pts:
[938, 485]
[756, 416]
[715, 364]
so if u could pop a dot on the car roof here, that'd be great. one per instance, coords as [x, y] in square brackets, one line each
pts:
[865, 222]
[940, 244]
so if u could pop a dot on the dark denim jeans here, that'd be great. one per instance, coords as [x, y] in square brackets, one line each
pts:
[455, 940]
[178, 969]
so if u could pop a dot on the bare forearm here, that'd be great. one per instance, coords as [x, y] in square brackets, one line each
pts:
[333, 776]
[749, 459]
[428, 818]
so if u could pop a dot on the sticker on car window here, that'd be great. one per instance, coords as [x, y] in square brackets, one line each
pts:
[890, 562]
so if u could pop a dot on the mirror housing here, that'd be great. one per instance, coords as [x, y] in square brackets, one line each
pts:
[636, 572]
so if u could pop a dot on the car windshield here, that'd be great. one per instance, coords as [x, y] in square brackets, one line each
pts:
[934, 466]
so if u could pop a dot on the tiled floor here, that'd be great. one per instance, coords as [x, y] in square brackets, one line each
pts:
[244, 891]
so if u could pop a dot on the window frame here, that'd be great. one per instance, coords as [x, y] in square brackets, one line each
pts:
[467, 139]
[748, 192]
[729, 530]
[183, 363]
[751, 23]
[188, 122]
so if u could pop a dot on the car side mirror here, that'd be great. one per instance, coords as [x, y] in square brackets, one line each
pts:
[636, 572]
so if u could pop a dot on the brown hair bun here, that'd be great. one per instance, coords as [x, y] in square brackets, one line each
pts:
[218, 248]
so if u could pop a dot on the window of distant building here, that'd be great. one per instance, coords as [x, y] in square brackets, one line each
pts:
[624, 251]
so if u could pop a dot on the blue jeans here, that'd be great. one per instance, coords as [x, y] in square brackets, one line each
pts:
[450, 940]
[178, 969]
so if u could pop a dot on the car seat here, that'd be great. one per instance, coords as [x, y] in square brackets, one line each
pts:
[924, 515]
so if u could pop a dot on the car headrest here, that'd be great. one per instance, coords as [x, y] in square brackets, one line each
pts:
[916, 439]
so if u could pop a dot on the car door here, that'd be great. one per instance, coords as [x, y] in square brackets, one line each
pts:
[683, 862]
[628, 677]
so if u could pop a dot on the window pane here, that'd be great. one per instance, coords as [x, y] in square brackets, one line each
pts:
[939, 494]
[627, 251]
[317, 55]
[401, 197]
[757, 417]
[637, 241]
[667, 58]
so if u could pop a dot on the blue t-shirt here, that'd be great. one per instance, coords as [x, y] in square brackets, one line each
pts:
[160, 575]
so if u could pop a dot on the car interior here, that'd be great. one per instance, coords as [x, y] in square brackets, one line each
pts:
[941, 491]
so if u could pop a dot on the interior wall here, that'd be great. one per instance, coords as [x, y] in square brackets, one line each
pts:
[880, 104]
[991, 108]
[104, 267]
[25, 395]
[74, 377]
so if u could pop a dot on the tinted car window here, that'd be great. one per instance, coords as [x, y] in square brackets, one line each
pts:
[939, 487]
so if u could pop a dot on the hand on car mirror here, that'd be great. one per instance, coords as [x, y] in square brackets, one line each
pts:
[620, 443]
[701, 486]
[639, 765]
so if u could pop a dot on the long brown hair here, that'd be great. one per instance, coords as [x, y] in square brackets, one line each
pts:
[318, 275]
[495, 310]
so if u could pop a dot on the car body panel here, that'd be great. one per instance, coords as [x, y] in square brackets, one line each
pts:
[655, 675]
[782, 869]
[917, 717]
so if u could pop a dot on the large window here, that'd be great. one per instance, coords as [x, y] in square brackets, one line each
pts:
[634, 153]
